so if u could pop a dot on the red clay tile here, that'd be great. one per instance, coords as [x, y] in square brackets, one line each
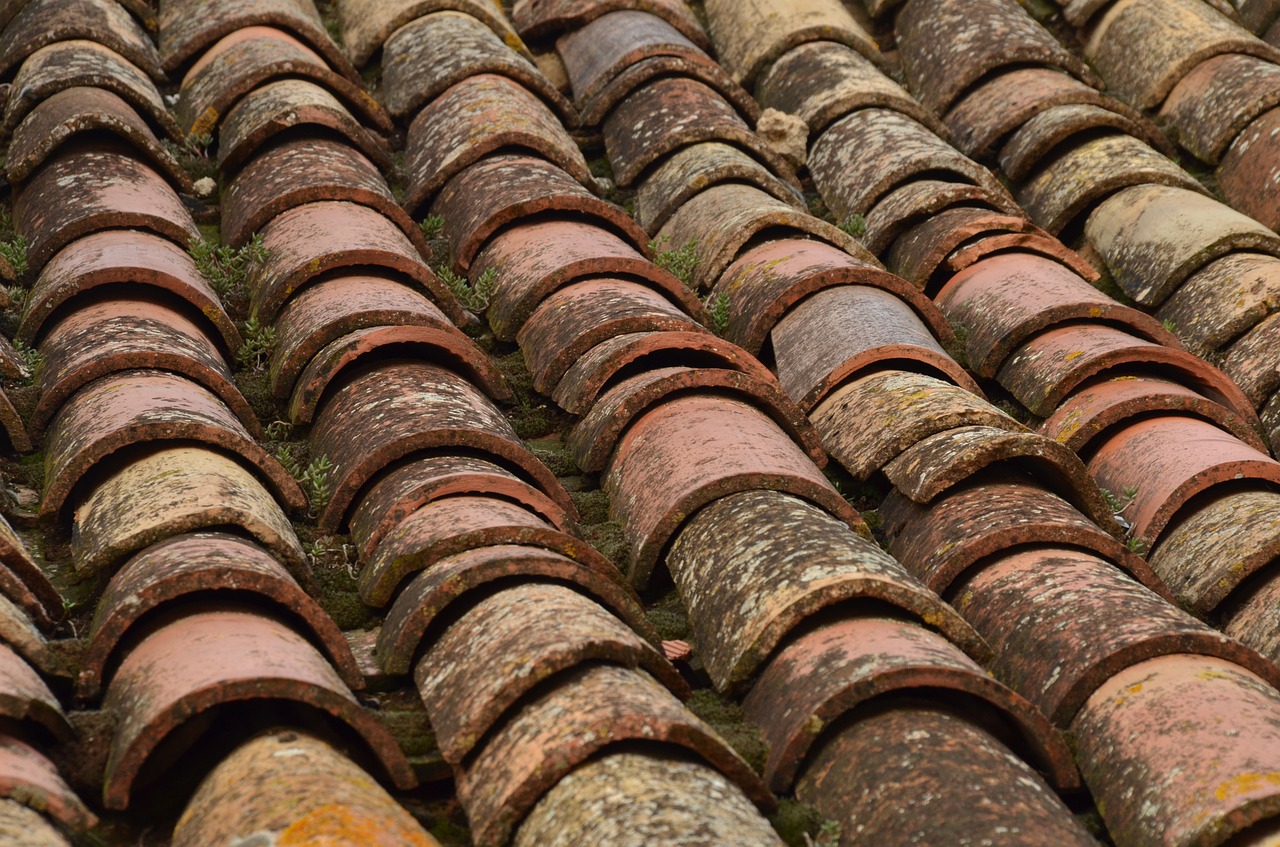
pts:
[192, 664]
[1063, 622]
[1220, 97]
[27, 777]
[44, 22]
[766, 282]
[1177, 751]
[692, 450]
[134, 334]
[824, 80]
[1034, 241]
[1248, 170]
[1256, 15]
[1170, 460]
[26, 703]
[920, 199]
[918, 254]
[1075, 180]
[130, 408]
[76, 111]
[478, 116]
[1097, 408]
[21, 633]
[671, 113]
[454, 525]
[532, 260]
[122, 257]
[78, 63]
[1006, 299]
[23, 582]
[401, 492]
[203, 565]
[328, 310]
[1041, 135]
[14, 429]
[562, 726]
[834, 668]
[302, 171]
[698, 805]
[442, 346]
[1224, 299]
[314, 239]
[537, 19]
[677, 179]
[1153, 237]
[278, 107]
[592, 440]
[941, 461]
[171, 491]
[755, 566]
[974, 784]
[752, 35]
[247, 58]
[367, 24]
[1209, 552]
[1250, 360]
[503, 189]
[288, 784]
[947, 46]
[1250, 615]
[392, 410]
[861, 158]
[536, 631]
[595, 372]
[482, 570]
[87, 186]
[839, 333]
[1144, 48]
[870, 421]
[188, 27]
[579, 316]
[1045, 370]
[436, 52]
[993, 515]
[723, 220]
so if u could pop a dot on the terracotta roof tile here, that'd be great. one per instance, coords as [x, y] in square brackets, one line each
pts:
[367, 24]
[1246, 173]
[43, 22]
[549, 18]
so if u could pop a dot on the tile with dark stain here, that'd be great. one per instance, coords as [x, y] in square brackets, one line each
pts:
[367, 24]
[1224, 299]
[907, 205]
[918, 255]
[549, 18]
[1247, 174]
[1039, 136]
[44, 22]
[1250, 360]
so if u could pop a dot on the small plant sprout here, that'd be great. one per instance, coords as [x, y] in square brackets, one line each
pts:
[32, 360]
[227, 269]
[315, 481]
[474, 296]
[432, 226]
[259, 343]
[279, 430]
[1137, 545]
[14, 252]
[1170, 325]
[855, 225]
[718, 311]
[682, 262]
[828, 835]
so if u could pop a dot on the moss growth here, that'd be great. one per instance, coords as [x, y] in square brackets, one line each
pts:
[592, 506]
[727, 718]
[335, 578]
[255, 385]
[669, 617]
[795, 820]
[609, 539]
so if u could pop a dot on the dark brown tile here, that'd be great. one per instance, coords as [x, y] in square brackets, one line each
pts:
[1054, 127]
[1248, 169]
[367, 24]
[24, 583]
[1224, 299]
[549, 18]
[44, 22]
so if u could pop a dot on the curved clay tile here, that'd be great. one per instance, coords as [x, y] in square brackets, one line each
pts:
[919, 254]
[202, 565]
[78, 110]
[584, 711]
[199, 661]
[399, 493]
[1223, 300]
[1250, 615]
[317, 238]
[1044, 133]
[671, 113]
[79, 63]
[130, 408]
[288, 781]
[278, 107]
[121, 257]
[23, 582]
[44, 22]
[914, 202]
[367, 24]
[537, 19]
[1250, 360]
[863, 427]
[26, 701]
[424, 58]
[115, 335]
[246, 59]
[754, 567]
[28, 778]
[594, 437]
[593, 112]
[476, 117]
[456, 525]
[530, 261]
[535, 631]
[1034, 241]
[19, 632]
[187, 27]
[394, 409]
[500, 190]
[659, 475]
[171, 491]
[1247, 172]
[482, 570]
[91, 185]
[768, 281]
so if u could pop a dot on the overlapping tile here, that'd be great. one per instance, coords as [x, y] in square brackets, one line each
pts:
[547, 18]
[43, 22]
[367, 24]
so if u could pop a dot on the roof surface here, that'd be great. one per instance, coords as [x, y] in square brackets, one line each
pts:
[620, 422]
